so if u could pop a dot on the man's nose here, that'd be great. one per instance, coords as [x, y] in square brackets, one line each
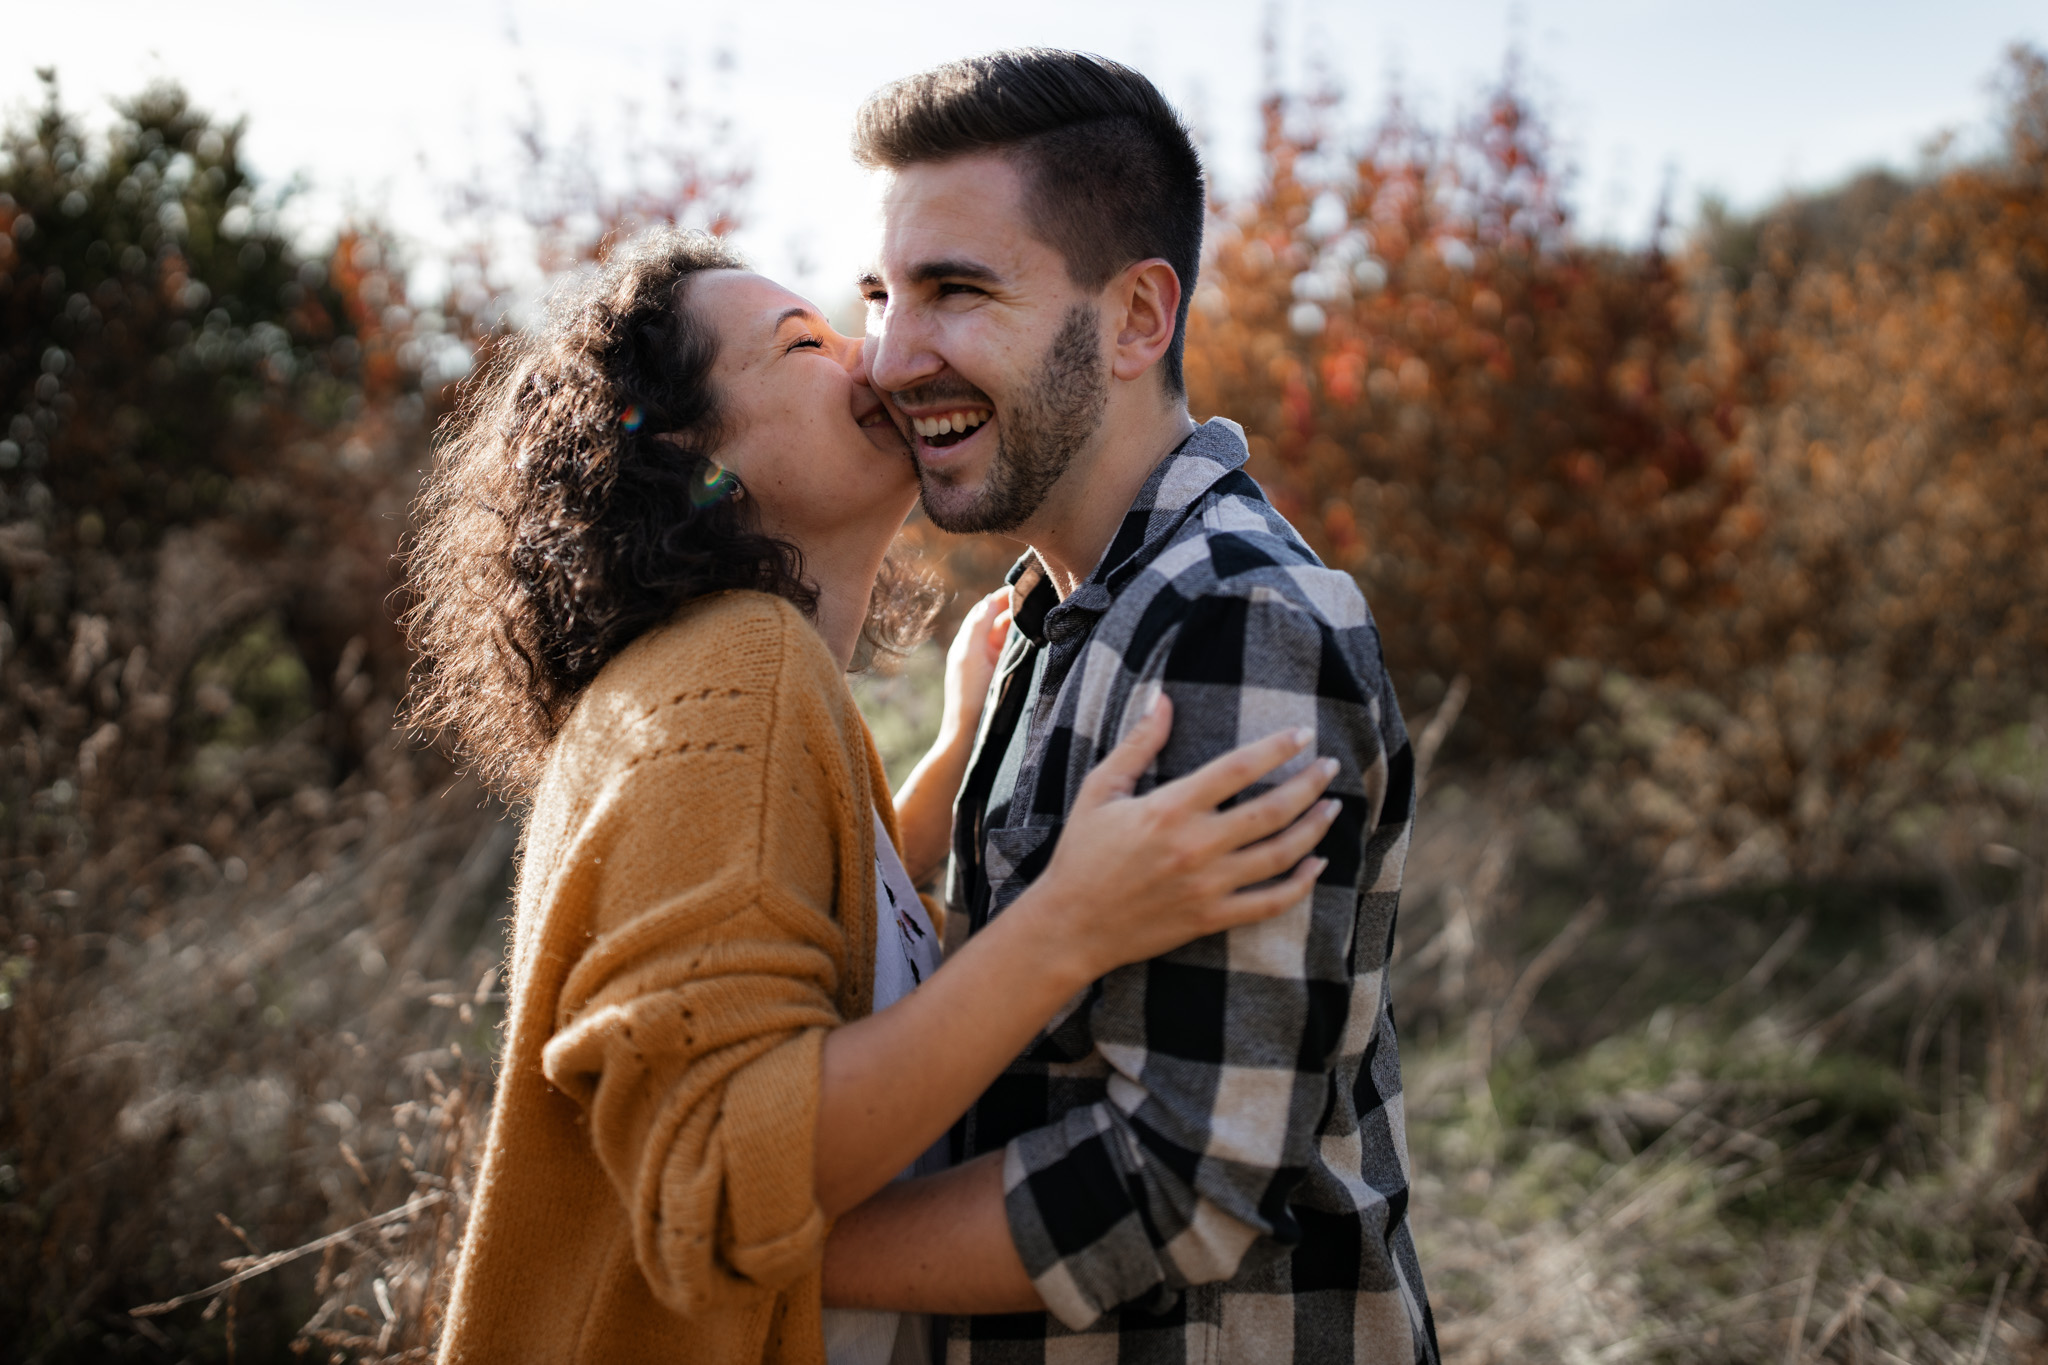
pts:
[899, 353]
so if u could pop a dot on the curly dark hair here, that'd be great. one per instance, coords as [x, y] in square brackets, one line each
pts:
[577, 500]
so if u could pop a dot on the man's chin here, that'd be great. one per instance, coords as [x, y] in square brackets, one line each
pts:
[947, 505]
[957, 508]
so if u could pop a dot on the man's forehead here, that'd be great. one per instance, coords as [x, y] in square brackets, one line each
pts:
[961, 211]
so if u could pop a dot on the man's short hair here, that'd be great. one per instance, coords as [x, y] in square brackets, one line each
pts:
[1111, 175]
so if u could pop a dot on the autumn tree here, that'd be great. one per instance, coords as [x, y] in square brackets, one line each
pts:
[1509, 437]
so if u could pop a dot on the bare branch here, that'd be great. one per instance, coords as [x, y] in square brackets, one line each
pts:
[264, 1264]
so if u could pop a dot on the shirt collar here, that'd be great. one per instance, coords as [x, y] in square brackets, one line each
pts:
[1211, 452]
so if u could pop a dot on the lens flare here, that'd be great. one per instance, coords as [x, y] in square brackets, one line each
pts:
[632, 417]
[714, 484]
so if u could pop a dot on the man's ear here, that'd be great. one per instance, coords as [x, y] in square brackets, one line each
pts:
[1147, 295]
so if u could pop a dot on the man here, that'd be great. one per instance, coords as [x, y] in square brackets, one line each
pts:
[1204, 1158]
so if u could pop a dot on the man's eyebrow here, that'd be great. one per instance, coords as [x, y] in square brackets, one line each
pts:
[931, 272]
[869, 279]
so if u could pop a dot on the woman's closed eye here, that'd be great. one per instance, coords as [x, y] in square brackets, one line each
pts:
[815, 343]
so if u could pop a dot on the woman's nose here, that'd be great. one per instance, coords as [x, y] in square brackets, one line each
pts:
[857, 355]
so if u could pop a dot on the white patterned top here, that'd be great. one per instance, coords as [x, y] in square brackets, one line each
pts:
[906, 954]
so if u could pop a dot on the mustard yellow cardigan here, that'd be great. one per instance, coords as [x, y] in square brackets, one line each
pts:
[695, 911]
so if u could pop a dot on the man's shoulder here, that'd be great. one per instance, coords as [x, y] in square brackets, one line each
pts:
[1235, 546]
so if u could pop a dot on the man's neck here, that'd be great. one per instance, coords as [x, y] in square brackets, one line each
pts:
[1074, 525]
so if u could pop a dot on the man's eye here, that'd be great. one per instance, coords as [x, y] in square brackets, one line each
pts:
[877, 298]
[955, 287]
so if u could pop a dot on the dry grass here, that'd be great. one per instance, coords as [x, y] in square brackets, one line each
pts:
[1725, 1015]
[247, 935]
[1795, 1123]
[297, 1038]
[1798, 1123]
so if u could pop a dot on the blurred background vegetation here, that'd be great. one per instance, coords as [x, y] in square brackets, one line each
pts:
[1714, 577]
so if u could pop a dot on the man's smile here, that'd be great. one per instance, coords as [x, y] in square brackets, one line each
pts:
[949, 428]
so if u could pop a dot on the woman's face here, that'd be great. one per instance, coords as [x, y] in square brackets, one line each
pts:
[821, 463]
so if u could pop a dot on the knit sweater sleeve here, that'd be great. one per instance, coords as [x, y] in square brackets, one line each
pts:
[690, 1028]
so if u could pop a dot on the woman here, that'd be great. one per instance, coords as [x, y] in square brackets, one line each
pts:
[652, 548]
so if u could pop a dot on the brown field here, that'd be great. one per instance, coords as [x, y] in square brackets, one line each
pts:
[1715, 580]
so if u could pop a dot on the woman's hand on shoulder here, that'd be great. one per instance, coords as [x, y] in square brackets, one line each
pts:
[971, 665]
[924, 804]
[1137, 876]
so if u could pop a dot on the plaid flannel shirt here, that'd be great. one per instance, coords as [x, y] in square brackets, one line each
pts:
[1204, 1155]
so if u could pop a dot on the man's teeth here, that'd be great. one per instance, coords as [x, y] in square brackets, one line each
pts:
[965, 420]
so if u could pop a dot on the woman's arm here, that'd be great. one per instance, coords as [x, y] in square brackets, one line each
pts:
[937, 1244]
[1131, 878]
[924, 804]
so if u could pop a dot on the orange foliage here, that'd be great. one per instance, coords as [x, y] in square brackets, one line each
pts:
[1508, 438]
[1883, 638]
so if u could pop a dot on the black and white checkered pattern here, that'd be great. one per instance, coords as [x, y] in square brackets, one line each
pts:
[1205, 1157]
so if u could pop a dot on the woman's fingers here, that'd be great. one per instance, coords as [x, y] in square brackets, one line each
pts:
[974, 626]
[1118, 773]
[1264, 902]
[1271, 811]
[1216, 781]
[978, 624]
[971, 662]
[1131, 879]
[1271, 857]
[998, 630]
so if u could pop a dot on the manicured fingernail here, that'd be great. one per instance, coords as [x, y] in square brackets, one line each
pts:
[1327, 766]
[1319, 864]
[1331, 807]
[1303, 736]
[1151, 705]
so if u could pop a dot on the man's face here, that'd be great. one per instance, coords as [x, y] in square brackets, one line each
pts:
[983, 344]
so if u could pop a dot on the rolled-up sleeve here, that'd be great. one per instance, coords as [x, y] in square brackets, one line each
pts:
[1221, 1052]
[690, 1029]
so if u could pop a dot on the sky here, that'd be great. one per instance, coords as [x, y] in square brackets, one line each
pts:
[379, 104]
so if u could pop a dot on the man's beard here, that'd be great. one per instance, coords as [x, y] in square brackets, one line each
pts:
[1036, 438]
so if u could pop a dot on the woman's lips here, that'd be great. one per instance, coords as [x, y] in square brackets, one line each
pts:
[883, 432]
